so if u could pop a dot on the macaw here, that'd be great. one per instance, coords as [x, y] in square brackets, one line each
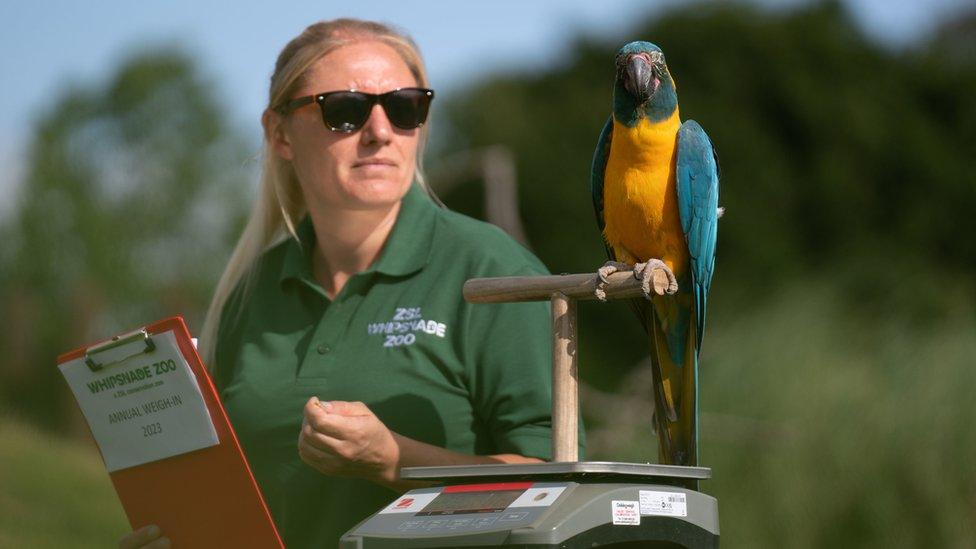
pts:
[655, 191]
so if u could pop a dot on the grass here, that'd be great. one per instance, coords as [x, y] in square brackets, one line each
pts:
[54, 492]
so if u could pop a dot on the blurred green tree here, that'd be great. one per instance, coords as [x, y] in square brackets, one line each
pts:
[838, 156]
[133, 192]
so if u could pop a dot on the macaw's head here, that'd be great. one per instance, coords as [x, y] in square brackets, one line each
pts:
[643, 87]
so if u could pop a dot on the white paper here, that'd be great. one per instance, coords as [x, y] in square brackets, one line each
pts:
[144, 408]
[625, 512]
[669, 504]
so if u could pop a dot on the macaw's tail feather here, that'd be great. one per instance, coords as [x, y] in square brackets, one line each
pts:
[675, 386]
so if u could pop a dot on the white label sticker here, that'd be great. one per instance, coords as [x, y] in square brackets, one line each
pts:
[625, 512]
[143, 408]
[410, 503]
[538, 497]
[669, 504]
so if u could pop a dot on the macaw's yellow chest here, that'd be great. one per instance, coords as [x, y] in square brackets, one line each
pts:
[640, 200]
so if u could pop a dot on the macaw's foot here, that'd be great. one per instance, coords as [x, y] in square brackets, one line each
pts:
[603, 272]
[657, 276]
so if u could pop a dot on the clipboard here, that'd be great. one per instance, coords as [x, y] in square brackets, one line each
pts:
[204, 498]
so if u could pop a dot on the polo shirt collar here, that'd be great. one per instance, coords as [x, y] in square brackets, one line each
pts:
[406, 251]
[297, 264]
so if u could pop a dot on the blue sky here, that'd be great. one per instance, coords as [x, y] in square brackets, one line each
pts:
[50, 44]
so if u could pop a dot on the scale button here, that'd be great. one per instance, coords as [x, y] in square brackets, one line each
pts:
[514, 516]
[435, 524]
[458, 523]
[484, 522]
[410, 525]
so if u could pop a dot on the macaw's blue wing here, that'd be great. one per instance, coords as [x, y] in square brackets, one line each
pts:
[600, 158]
[697, 180]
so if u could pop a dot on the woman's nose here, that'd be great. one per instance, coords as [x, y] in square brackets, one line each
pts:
[377, 128]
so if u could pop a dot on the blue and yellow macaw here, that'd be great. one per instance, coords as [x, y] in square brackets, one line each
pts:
[655, 191]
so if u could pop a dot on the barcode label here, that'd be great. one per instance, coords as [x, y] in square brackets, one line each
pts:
[669, 504]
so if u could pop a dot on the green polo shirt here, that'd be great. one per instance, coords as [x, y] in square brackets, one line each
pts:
[398, 337]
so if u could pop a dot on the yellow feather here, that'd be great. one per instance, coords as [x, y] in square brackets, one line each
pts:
[640, 198]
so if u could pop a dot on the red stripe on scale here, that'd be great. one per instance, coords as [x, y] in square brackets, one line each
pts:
[487, 487]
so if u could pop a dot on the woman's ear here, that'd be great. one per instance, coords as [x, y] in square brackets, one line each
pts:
[274, 134]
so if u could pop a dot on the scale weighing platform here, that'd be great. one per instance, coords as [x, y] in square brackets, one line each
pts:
[546, 505]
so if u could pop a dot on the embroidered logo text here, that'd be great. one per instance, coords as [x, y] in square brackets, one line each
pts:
[403, 328]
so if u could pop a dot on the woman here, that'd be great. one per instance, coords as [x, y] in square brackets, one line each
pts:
[350, 334]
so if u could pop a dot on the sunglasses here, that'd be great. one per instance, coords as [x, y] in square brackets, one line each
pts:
[346, 111]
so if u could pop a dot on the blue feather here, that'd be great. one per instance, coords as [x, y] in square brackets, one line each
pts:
[600, 157]
[697, 180]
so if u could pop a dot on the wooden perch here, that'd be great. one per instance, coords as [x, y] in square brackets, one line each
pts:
[563, 291]
[565, 379]
[540, 288]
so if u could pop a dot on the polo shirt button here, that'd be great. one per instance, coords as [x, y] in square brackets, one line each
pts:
[322, 349]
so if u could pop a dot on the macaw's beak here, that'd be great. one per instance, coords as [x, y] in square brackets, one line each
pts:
[641, 82]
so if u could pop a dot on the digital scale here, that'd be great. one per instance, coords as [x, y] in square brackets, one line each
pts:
[546, 505]
[566, 504]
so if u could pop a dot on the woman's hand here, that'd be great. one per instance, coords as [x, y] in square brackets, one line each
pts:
[347, 439]
[147, 537]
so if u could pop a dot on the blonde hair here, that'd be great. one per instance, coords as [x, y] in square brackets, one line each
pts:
[280, 204]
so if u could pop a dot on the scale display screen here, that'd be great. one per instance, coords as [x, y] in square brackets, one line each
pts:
[477, 498]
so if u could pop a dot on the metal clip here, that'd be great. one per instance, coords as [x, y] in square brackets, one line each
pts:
[118, 341]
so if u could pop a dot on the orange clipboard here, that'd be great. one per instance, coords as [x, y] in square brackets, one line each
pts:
[204, 498]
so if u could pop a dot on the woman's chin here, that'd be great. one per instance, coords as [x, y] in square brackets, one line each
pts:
[379, 193]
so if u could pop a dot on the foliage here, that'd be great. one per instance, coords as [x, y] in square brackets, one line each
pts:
[131, 190]
[837, 155]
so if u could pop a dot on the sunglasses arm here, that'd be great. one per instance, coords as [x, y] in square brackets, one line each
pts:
[290, 106]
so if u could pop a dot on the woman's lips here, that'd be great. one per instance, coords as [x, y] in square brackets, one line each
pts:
[374, 163]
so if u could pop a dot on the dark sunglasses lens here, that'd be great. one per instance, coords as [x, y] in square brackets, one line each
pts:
[345, 111]
[408, 108]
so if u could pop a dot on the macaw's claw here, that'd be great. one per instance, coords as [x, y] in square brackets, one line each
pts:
[603, 272]
[657, 276]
